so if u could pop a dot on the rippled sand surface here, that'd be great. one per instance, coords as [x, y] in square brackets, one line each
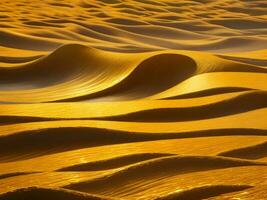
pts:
[133, 99]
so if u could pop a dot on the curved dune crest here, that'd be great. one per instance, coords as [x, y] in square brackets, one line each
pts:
[77, 72]
[91, 68]
[204, 192]
[159, 167]
[22, 59]
[18, 113]
[209, 92]
[215, 81]
[38, 142]
[11, 39]
[251, 61]
[175, 68]
[250, 152]
[3, 176]
[63, 64]
[114, 162]
[47, 193]
[242, 103]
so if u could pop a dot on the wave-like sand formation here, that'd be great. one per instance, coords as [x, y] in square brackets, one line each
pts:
[204, 192]
[244, 102]
[64, 194]
[159, 167]
[38, 142]
[105, 75]
[250, 152]
[102, 110]
[133, 99]
[48, 193]
[114, 162]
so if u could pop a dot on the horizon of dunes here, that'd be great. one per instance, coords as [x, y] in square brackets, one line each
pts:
[133, 99]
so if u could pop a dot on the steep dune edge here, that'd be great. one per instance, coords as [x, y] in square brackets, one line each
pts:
[215, 81]
[16, 60]
[21, 119]
[49, 193]
[76, 72]
[39, 142]
[209, 92]
[154, 74]
[114, 162]
[204, 192]
[251, 61]
[250, 152]
[22, 113]
[166, 70]
[21, 41]
[64, 64]
[84, 71]
[159, 167]
[3, 176]
[242, 103]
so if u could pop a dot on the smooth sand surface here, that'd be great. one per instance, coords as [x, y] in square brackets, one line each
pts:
[133, 99]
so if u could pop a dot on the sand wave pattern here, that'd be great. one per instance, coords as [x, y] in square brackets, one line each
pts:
[133, 99]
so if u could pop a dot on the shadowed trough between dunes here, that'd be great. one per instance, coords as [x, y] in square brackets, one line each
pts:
[250, 100]
[158, 167]
[39, 142]
[250, 152]
[49, 193]
[242, 103]
[164, 71]
[114, 162]
[204, 192]
[75, 72]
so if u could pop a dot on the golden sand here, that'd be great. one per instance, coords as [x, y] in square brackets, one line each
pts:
[133, 99]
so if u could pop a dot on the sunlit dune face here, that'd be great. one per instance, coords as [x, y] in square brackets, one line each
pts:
[133, 99]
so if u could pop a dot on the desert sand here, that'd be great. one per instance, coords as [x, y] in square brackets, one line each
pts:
[133, 99]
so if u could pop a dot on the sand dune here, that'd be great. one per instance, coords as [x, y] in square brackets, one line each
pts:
[114, 162]
[33, 139]
[218, 109]
[204, 192]
[133, 99]
[3, 176]
[250, 152]
[105, 76]
[44, 193]
[162, 167]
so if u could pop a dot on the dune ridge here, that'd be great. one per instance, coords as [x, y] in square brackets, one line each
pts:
[38, 142]
[204, 192]
[114, 162]
[155, 167]
[131, 110]
[44, 193]
[99, 74]
[242, 103]
[250, 152]
[3, 176]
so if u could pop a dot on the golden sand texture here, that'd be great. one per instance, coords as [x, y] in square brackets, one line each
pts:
[135, 25]
[133, 99]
